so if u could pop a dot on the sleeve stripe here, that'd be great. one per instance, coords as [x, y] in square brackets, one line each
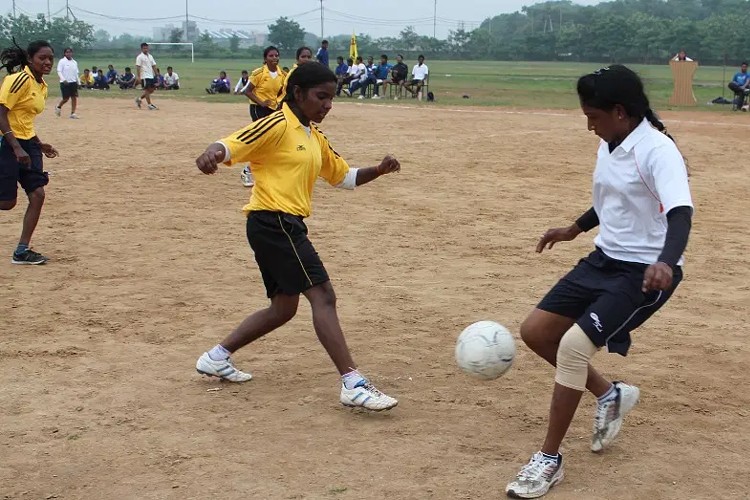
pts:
[18, 84]
[251, 135]
[258, 124]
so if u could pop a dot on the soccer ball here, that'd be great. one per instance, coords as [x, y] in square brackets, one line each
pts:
[485, 350]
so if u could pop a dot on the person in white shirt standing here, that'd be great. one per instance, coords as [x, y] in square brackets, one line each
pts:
[67, 70]
[643, 207]
[145, 69]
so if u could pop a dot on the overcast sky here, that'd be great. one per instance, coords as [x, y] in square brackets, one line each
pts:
[374, 17]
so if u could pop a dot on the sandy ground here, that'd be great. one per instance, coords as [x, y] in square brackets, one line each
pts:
[150, 267]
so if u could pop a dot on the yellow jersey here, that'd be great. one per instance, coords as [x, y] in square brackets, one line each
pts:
[282, 92]
[286, 159]
[266, 86]
[87, 80]
[25, 98]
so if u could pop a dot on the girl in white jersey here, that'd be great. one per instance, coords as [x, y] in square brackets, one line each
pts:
[643, 207]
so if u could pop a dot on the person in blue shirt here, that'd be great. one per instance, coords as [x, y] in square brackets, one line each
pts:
[342, 69]
[380, 75]
[322, 55]
[111, 75]
[740, 85]
[100, 81]
[220, 85]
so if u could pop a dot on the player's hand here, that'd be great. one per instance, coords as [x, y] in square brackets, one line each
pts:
[22, 157]
[268, 103]
[657, 277]
[388, 165]
[556, 235]
[208, 162]
[137, 82]
[48, 150]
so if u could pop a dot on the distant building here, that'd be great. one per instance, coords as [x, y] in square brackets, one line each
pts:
[223, 37]
[164, 33]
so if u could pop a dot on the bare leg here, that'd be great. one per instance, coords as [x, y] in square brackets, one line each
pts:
[74, 104]
[34, 210]
[63, 101]
[542, 332]
[563, 407]
[326, 322]
[282, 309]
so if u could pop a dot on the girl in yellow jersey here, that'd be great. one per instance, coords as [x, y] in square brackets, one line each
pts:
[303, 55]
[22, 97]
[288, 154]
[263, 90]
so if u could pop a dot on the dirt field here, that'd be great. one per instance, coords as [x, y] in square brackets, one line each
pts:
[100, 398]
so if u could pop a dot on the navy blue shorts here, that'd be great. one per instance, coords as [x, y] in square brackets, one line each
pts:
[12, 173]
[149, 83]
[287, 259]
[604, 296]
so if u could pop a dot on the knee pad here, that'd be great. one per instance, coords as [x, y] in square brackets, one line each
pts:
[573, 356]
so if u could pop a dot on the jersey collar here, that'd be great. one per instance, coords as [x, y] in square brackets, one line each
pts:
[290, 117]
[28, 71]
[635, 136]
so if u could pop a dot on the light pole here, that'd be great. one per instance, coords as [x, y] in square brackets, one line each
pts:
[187, 20]
[321, 19]
[434, 21]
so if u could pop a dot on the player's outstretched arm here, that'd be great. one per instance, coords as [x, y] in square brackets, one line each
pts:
[388, 165]
[585, 223]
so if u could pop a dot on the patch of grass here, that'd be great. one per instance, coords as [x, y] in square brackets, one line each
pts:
[487, 83]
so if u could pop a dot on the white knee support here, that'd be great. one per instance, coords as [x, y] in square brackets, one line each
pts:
[573, 356]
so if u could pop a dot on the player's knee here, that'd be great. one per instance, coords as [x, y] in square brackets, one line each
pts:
[530, 334]
[7, 204]
[327, 296]
[37, 196]
[284, 310]
[573, 356]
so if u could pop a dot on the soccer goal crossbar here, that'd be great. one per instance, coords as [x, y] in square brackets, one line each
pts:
[192, 49]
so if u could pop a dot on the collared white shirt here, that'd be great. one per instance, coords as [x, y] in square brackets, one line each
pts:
[635, 187]
[67, 70]
[171, 79]
[420, 72]
[146, 62]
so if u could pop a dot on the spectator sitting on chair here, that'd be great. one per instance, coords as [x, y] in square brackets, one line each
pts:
[242, 84]
[171, 80]
[379, 75]
[111, 75]
[399, 72]
[740, 85]
[342, 69]
[100, 81]
[126, 80]
[220, 85]
[87, 80]
[358, 74]
[419, 74]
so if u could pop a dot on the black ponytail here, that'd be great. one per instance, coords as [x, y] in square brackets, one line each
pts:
[14, 59]
[653, 119]
[307, 76]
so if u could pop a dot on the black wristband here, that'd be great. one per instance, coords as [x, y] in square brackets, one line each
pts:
[588, 221]
[679, 221]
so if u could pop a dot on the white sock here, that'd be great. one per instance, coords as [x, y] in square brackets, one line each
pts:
[218, 353]
[610, 394]
[353, 379]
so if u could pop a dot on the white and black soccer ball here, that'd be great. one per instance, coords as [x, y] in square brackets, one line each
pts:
[485, 349]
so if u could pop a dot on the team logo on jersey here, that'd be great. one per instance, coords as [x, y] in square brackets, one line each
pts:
[301, 147]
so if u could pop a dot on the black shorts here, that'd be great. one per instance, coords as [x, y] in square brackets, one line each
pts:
[69, 89]
[13, 173]
[258, 112]
[604, 296]
[149, 83]
[416, 82]
[287, 259]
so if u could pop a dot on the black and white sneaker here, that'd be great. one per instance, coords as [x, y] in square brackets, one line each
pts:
[29, 257]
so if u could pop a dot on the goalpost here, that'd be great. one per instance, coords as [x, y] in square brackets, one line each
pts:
[192, 50]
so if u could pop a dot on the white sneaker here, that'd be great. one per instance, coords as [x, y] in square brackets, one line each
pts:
[745, 107]
[73, 116]
[152, 107]
[138, 102]
[366, 396]
[609, 415]
[57, 111]
[223, 369]
[536, 477]
[375, 96]
[247, 177]
[347, 92]
[361, 97]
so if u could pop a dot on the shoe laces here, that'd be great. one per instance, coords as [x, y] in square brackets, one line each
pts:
[538, 466]
[372, 389]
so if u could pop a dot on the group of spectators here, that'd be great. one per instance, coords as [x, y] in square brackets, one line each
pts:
[95, 78]
[355, 75]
